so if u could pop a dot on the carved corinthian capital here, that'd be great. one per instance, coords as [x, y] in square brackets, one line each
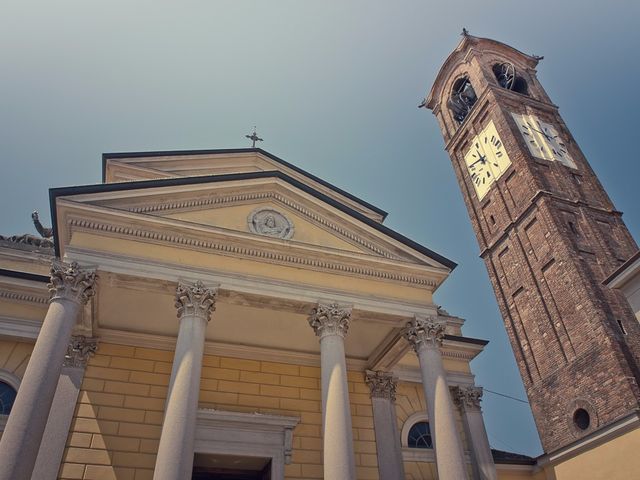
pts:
[467, 396]
[381, 384]
[330, 319]
[79, 350]
[70, 282]
[195, 299]
[425, 331]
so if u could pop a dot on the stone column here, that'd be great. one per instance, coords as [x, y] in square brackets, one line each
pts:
[425, 336]
[195, 303]
[70, 288]
[383, 397]
[331, 323]
[79, 350]
[468, 400]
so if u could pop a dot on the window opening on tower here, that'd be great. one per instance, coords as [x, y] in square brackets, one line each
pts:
[508, 78]
[463, 98]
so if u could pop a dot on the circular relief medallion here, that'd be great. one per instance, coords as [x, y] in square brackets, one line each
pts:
[269, 222]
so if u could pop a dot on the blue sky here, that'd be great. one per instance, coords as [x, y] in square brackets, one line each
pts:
[333, 87]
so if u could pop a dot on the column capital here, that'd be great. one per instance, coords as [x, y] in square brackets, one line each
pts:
[425, 331]
[68, 281]
[467, 396]
[79, 350]
[195, 299]
[382, 384]
[330, 319]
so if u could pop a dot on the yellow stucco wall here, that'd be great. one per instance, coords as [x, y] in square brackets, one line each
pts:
[617, 459]
[14, 356]
[117, 423]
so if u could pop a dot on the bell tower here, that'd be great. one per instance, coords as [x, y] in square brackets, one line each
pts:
[549, 236]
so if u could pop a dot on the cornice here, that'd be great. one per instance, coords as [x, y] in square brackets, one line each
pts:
[393, 348]
[23, 296]
[19, 328]
[538, 197]
[483, 104]
[413, 375]
[268, 255]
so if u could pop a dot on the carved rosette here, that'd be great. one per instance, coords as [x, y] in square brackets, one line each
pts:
[196, 300]
[70, 282]
[381, 384]
[330, 319]
[467, 397]
[425, 331]
[79, 350]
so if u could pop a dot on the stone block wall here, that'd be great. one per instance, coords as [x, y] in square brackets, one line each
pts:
[117, 422]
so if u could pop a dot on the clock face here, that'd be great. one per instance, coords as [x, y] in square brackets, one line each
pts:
[530, 130]
[499, 160]
[557, 148]
[486, 159]
[543, 139]
[478, 168]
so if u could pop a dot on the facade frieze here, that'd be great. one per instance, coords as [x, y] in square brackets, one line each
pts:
[316, 258]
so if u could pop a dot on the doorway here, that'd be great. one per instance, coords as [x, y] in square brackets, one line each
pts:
[230, 467]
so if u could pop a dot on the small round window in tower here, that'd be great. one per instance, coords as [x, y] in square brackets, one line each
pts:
[420, 436]
[463, 98]
[581, 419]
[508, 78]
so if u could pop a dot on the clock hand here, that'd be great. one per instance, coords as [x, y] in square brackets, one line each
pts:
[482, 159]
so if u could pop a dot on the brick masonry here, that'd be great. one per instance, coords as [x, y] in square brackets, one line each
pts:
[549, 236]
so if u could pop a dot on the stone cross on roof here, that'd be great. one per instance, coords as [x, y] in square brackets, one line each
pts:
[254, 138]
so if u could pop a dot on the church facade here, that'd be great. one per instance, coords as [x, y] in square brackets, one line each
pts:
[224, 314]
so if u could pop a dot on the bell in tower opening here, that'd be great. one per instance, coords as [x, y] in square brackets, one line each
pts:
[549, 236]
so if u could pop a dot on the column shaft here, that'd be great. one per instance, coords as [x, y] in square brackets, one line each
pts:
[331, 323]
[448, 448]
[388, 446]
[54, 438]
[21, 439]
[480, 446]
[426, 335]
[339, 460]
[468, 399]
[175, 452]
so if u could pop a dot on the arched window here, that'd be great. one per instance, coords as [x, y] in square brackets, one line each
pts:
[7, 397]
[420, 436]
[463, 98]
[508, 78]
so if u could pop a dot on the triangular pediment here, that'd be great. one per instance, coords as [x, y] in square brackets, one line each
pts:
[263, 207]
[136, 166]
[264, 217]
